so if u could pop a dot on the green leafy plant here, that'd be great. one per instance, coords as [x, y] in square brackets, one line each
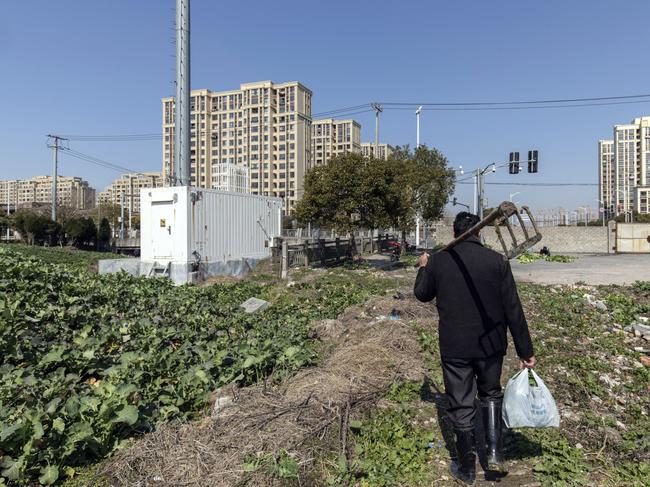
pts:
[389, 450]
[561, 464]
[529, 258]
[88, 361]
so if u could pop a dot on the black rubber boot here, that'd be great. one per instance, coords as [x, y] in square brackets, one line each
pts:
[464, 468]
[493, 425]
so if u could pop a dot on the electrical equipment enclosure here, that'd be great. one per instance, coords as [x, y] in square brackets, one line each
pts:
[185, 225]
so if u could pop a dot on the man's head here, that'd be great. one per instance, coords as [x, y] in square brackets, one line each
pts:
[463, 222]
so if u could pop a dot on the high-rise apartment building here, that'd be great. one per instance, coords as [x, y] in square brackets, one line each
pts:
[127, 189]
[624, 168]
[264, 126]
[72, 192]
[331, 137]
[383, 150]
[607, 176]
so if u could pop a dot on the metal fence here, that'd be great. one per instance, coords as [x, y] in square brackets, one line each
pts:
[290, 253]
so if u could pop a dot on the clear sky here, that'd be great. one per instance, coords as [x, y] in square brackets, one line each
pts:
[93, 67]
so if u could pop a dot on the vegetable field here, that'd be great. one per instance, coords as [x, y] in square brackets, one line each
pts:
[61, 255]
[88, 361]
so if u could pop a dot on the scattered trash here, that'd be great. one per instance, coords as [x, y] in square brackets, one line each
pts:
[223, 398]
[253, 305]
[591, 301]
[394, 315]
[437, 445]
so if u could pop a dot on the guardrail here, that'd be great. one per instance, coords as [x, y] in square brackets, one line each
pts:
[130, 245]
[324, 252]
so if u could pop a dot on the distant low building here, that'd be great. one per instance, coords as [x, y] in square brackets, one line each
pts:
[384, 151]
[230, 177]
[127, 189]
[72, 192]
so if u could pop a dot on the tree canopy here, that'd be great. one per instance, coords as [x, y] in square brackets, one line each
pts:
[355, 192]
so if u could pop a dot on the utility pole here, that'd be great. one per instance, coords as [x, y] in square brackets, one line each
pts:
[121, 215]
[55, 170]
[182, 123]
[8, 209]
[378, 109]
[417, 144]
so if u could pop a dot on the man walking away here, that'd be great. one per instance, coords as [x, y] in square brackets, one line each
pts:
[477, 301]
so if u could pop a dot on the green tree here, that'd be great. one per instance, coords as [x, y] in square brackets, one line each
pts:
[5, 222]
[341, 194]
[423, 185]
[36, 229]
[355, 192]
[81, 232]
[104, 233]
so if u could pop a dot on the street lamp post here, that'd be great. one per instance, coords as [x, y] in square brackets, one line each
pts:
[512, 195]
[417, 127]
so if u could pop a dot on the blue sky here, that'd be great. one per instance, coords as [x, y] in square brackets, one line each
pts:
[100, 68]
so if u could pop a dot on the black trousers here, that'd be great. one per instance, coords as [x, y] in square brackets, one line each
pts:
[463, 379]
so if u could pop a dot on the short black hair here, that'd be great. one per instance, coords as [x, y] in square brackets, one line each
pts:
[463, 222]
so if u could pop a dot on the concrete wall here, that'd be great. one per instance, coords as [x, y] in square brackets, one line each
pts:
[592, 240]
[180, 273]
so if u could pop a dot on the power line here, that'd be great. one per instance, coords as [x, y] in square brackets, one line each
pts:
[577, 105]
[339, 115]
[535, 184]
[114, 138]
[339, 110]
[529, 102]
[98, 162]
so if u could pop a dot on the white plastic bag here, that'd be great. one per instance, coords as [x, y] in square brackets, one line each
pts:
[529, 406]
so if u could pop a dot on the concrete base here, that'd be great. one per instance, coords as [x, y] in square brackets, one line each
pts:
[180, 273]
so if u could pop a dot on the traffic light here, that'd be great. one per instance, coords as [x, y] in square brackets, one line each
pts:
[513, 167]
[533, 160]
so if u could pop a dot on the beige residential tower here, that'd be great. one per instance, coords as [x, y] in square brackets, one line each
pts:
[264, 126]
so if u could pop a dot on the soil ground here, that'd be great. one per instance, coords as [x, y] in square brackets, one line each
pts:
[622, 269]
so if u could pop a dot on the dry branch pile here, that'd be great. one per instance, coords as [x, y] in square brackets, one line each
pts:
[305, 417]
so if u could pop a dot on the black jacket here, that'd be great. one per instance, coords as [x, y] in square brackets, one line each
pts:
[477, 300]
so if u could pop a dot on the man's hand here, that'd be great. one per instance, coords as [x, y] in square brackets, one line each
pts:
[422, 261]
[527, 363]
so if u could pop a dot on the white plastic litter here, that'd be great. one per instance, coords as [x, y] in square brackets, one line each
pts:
[529, 406]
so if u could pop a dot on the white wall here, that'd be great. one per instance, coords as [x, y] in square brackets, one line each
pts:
[220, 226]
